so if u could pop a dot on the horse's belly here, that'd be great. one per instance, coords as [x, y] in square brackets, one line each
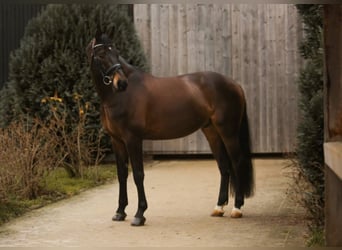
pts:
[177, 113]
[176, 126]
[171, 134]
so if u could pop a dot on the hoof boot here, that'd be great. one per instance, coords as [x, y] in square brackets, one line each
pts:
[119, 217]
[137, 222]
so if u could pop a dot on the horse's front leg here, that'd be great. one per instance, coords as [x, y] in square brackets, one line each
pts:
[136, 156]
[122, 172]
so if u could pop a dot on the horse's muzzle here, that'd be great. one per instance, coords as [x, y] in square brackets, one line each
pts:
[122, 85]
[119, 81]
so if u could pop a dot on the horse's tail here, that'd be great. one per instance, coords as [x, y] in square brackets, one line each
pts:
[244, 174]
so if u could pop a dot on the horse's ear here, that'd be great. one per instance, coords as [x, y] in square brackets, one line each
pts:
[98, 33]
[90, 50]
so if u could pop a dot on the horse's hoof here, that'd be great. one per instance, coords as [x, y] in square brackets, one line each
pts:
[217, 213]
[119, 217]
[236, 213]
[137, 222]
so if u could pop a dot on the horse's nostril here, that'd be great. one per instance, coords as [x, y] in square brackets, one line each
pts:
[122, 85]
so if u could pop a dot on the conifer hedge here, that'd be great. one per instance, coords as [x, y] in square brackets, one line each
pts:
[51, 63]
[310, 134]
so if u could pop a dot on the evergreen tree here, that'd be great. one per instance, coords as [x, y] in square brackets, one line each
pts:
[52, 62]
[309, 151]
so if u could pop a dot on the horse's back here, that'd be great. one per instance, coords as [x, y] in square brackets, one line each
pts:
[218, 88]
[208, 89]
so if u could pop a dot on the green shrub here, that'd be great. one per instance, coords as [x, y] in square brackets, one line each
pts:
[51, 61]
[309, 162]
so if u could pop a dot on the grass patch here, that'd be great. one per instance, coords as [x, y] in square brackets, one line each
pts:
[59, 182]
[13, 208]
[316, 239]
[58, 185]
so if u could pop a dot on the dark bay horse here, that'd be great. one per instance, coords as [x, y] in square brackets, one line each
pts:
[136, 105]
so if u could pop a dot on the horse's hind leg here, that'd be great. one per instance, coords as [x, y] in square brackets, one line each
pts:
[219, 151]
[233, 148]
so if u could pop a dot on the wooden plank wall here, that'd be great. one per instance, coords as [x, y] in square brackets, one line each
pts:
[257, 45]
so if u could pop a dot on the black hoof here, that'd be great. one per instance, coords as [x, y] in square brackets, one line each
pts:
[119, 217]
[137, 222]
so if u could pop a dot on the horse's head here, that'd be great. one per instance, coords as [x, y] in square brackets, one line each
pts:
[104, 58]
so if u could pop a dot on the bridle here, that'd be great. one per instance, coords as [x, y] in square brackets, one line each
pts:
[107, 74]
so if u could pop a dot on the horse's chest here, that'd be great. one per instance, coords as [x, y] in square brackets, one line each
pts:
[111, 122]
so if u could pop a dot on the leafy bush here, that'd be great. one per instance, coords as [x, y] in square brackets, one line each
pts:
[52, 60]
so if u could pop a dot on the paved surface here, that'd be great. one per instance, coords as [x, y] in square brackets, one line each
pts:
[181, 196]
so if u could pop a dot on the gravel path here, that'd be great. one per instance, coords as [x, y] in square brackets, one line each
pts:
[181, 195]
